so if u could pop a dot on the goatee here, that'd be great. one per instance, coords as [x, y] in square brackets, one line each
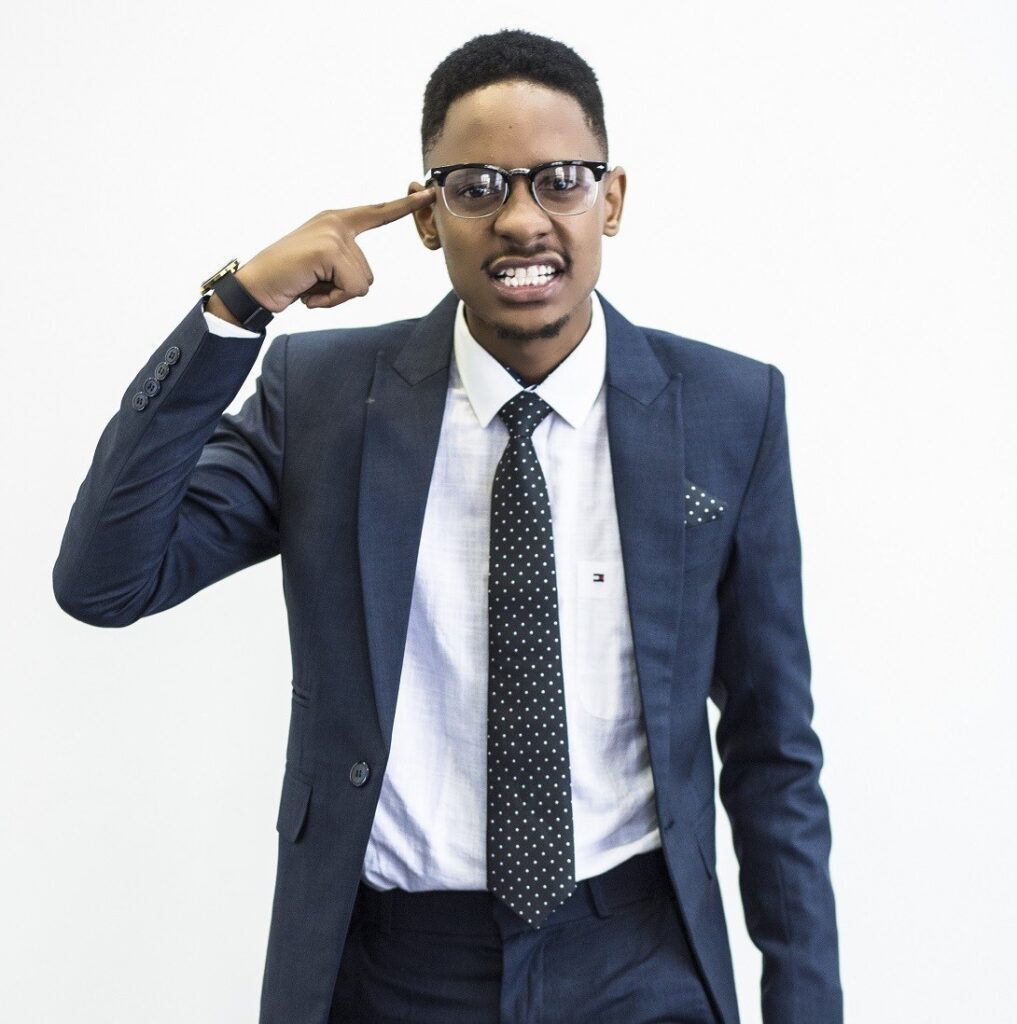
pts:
[551, 330]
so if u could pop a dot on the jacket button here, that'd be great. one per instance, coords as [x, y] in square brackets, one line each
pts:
[161, 371]
[151, 387]
[359, 773]
[172, 354]
[139, 401]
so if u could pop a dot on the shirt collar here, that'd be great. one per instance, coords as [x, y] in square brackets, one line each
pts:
[570, 388]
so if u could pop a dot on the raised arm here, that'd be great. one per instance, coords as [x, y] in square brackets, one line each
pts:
[179, 493]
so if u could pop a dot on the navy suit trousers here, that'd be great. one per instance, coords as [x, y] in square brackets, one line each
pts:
[615, 952]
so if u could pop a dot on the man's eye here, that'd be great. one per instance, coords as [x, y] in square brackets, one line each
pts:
[557, 184]
[474, 186]
[475, 192]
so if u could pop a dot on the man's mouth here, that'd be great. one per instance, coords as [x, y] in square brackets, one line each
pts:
[534, 279]
[533, 276]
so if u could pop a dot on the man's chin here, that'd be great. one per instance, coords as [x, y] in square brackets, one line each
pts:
[513, 332]
[522, 323]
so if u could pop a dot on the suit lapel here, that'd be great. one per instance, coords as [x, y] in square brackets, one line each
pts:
[401, 433]
[647, 444]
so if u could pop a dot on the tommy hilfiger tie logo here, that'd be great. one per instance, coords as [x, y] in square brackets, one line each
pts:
[598, 577]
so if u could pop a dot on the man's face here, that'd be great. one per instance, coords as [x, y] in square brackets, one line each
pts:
[521, 124]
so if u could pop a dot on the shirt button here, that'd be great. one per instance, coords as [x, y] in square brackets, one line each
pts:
[172, 354]
[359, 773]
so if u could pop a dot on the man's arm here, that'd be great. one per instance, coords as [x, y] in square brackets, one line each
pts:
[771, 757]
[179, 494]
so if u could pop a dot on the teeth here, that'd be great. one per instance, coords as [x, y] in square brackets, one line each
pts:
[516, 277]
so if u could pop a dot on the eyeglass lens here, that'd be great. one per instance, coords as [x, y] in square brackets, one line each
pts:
[479, 192]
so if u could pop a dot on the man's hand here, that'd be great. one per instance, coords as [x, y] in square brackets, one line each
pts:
[320, 262]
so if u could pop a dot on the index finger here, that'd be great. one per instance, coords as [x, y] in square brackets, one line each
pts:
[376, 214]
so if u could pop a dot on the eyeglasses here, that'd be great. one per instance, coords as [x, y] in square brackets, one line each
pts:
[563, 188]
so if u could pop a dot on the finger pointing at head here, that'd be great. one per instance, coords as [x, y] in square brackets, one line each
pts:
[366, 217]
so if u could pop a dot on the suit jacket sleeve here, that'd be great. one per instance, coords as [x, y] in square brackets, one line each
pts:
[179, 494]
[771, 757]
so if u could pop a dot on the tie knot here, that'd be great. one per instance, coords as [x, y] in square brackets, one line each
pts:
[522, 412]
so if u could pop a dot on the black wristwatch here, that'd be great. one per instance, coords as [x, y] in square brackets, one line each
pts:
[236, 298]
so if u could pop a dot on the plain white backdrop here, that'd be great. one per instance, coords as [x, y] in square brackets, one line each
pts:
[825, 186]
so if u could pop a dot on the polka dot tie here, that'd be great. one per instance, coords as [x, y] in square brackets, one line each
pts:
[530, 846]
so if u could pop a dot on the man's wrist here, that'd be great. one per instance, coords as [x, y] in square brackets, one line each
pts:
[239, 293]
[218, 308]
[223, 328]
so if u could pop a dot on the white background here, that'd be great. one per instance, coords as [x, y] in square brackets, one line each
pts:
[825, 186]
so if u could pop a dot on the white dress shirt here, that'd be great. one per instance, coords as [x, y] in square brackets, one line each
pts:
[429, 830]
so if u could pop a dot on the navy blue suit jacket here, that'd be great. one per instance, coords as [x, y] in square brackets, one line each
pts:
[328, 465]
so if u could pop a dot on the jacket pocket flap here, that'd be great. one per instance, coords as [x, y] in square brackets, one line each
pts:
[707, 842]
[296, 795]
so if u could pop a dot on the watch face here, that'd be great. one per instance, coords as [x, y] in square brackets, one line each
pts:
[231, 268]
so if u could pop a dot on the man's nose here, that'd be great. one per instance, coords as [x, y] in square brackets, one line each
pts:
[521, 216]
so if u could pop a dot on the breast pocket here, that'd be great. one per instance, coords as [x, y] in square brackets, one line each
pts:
[607, 682]
[703, 523]
[704, 546]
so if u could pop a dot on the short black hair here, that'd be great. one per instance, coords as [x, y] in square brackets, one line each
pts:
[505, 55]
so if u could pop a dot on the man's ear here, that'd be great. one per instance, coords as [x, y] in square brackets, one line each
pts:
[427, 227]
[614, 199]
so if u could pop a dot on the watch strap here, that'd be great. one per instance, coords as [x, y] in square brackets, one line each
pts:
[239, 301]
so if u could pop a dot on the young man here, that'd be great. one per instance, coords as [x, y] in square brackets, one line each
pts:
[553, 535]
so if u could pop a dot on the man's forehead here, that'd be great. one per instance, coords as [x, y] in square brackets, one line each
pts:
[514, 124]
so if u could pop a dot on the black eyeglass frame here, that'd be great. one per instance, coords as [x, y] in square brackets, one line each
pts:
[438, 175]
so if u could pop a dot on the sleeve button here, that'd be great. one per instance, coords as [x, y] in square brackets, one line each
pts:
[151, 387]
[172, 354]
[139, 401]
[161, 371]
